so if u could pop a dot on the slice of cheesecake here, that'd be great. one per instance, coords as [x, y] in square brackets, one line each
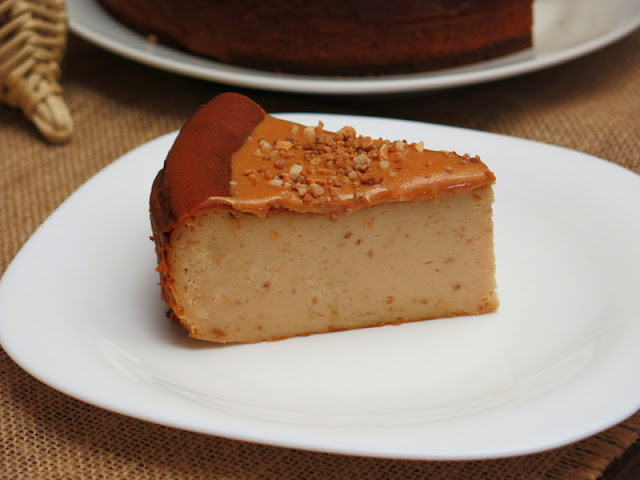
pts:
[266, 229]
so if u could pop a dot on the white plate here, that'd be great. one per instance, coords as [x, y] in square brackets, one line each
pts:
[563, 31]
[80, 310]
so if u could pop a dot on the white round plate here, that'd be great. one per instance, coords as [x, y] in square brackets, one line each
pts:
[80, 310]
[563, 31]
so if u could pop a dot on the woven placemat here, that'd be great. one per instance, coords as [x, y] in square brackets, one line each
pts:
[591, 105]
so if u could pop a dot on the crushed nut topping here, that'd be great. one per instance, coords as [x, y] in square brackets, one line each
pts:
[329, 162]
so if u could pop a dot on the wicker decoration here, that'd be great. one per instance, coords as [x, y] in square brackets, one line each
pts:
[33, 35]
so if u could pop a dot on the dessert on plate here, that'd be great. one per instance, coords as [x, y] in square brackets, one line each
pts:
[336, 37]
[267, 229]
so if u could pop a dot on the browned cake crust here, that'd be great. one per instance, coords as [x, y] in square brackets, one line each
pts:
[345, 37]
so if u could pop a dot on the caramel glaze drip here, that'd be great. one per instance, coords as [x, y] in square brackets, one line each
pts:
[232, 153]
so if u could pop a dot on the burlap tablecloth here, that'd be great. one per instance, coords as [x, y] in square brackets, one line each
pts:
[591, 104]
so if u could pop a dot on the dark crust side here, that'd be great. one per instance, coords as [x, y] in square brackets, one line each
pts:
[198, 165]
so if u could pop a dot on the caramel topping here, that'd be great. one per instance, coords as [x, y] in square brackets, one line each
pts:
[232, 153]
[283, 165]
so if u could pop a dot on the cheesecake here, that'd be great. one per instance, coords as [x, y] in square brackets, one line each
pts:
[266, 229]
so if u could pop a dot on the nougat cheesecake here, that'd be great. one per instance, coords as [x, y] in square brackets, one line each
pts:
[267, 229]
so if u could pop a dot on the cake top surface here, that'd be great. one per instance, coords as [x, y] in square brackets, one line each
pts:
[231, 152]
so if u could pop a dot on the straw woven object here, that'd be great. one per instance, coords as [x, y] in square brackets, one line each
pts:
[33, 36]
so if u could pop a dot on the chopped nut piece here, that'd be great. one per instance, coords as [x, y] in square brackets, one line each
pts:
[419, 146]
[285, 144]
[309, 131]
[371, 180]
[265, 146]
[276, 182]
[384, 152]
[316, 190]
[384, 164]
[361, 162]
[347, 132]
[295, 169]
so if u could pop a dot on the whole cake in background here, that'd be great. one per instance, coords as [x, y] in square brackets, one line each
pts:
[336, 37]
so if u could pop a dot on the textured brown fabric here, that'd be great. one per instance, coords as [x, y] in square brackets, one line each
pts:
[591, 104]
